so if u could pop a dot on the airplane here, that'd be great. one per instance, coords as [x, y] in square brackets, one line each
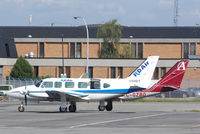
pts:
[73, 90]
[169, 82]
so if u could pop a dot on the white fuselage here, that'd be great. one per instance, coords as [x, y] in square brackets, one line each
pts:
[101, 89]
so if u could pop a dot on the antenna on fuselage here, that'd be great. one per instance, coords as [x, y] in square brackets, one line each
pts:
[82, 75]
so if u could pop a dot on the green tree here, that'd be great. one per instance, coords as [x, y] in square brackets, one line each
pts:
[111, 34]
[22, 69]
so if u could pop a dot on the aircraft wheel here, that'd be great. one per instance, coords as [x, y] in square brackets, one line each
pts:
[21, 108]
[62, 109]
[109, 106]
[72, 108]
[101, 108]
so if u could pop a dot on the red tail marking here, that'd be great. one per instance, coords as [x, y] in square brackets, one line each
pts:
[172, 79]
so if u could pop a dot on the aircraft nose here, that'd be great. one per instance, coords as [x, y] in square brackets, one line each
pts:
[9, 93]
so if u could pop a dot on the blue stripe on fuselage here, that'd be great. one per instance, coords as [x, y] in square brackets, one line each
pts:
[103, 91]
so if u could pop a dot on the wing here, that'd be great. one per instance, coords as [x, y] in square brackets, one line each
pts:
[70, 95]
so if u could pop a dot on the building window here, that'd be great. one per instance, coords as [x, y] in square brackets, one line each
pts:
[60, 71]
[42, 49]
[68, 72]
[1, 70]
[192, 48]
[186, 50]
[7, 50]
[133, 47]
[120, 72]
[78, 50]
[36, 71]
[156, 72]
[140, 50]
[163, 71]
[113, 72]
[72, 50]
[90, 72]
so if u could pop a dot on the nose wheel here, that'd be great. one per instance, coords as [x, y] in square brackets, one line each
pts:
[21, 108]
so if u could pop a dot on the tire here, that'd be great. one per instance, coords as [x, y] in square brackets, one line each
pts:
[72, 108]
[61, 110]
[21, 109]
[101, 108]
[109, 106]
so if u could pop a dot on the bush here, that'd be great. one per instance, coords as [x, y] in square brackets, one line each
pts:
[22, 69]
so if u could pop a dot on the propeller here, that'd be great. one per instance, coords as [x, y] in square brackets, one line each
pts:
[25, 97]
[25, 93]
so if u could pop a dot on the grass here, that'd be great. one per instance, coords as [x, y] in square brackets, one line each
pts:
[193, 110]
[168, 100]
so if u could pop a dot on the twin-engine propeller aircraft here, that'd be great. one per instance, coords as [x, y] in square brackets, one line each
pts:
[169, 82]
[86, 89]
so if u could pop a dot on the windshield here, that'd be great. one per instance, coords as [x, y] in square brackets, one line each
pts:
[37, 84]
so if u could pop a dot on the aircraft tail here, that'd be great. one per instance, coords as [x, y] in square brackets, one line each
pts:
[143, 74]
[172, 79]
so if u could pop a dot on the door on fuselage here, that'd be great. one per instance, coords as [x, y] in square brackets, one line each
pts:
[95, 84]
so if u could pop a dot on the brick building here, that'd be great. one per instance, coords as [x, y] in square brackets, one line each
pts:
[45, 46]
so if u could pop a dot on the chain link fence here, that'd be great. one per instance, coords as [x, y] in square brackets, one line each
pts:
[16, 82]
[189, 87]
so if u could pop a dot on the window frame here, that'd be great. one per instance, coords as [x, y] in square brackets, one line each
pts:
[57, 82]
[69, 82]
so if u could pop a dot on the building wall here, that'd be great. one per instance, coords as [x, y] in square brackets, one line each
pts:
[127, 71]
[25, 48]
[100, 72]
[192, 73]
[163, 50]
[6, 71]
[48, 71]
[77, 72]
[94, 50]
[55, 50]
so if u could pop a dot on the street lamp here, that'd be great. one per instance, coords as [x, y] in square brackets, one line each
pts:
[87, 60]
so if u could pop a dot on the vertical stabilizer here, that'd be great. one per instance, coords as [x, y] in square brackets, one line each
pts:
[172, 79]
[141, 77]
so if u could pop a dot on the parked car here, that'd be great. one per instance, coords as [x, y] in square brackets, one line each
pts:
[193, 91]
[174, 94]
[4, 89]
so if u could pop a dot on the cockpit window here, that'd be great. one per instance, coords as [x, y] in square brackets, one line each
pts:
[47, 84]
[57, 84]
[82, 85]
[106, 85]
[38, 83]
[69, 84]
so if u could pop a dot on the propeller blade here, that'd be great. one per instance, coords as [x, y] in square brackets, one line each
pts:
[25, 99]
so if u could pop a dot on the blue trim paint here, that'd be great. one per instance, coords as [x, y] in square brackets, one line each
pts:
[103, 91]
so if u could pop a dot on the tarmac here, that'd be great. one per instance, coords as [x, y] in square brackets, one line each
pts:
[128, 117]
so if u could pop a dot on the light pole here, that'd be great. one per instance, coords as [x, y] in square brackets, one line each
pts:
[87, 59]
[62, 55]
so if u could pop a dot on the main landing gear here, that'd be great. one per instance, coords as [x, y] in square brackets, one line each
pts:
[102, 106]
[72, 107]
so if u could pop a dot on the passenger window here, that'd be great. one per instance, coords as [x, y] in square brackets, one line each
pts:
[57, 84]
[106, 85]
[47, 84]
[82, 85]
[69, 84]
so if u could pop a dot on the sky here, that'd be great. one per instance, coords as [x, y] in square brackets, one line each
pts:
[127, 12]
